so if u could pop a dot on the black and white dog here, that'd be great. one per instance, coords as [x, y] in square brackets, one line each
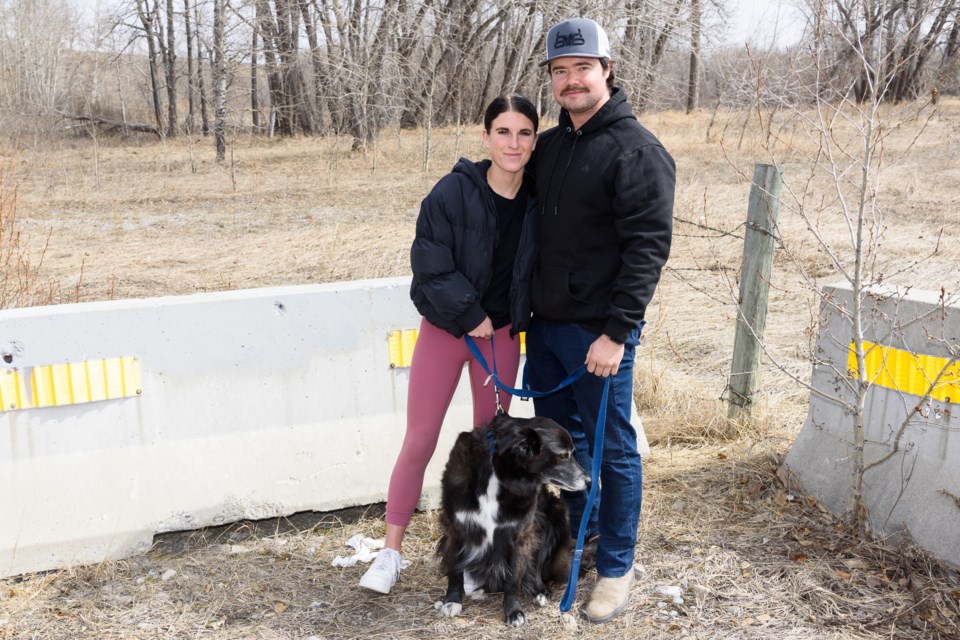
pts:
[499, 520]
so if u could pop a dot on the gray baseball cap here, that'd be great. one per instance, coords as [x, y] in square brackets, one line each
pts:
[577, 37]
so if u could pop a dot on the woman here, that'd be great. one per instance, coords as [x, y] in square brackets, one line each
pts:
[471, 259]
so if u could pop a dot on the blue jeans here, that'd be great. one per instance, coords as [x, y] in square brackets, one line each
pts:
[554, 351]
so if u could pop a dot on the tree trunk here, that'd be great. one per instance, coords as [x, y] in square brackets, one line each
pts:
[280, 30]
[318, 63]
[485, 96]
[329, 87]
[693, 86]
[170, 65]
[650, 68]
[201, 82]
[146, 16]
[219, 81]
[254, 85]
[191, 122]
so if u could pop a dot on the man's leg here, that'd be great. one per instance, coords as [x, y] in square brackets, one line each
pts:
[622, 480]
[553, 352]
[621, 473]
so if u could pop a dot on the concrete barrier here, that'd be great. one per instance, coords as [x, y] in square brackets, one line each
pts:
[915, 494]
[234, 405]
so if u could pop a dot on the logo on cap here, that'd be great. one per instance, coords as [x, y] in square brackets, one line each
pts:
[569, 40]
[577, 37]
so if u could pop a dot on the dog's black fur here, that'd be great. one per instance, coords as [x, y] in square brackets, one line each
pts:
[499, 520]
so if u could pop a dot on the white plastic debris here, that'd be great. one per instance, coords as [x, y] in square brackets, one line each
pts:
[365, 550]
[674, 593]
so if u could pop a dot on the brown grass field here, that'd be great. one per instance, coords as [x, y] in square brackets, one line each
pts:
[136, 219]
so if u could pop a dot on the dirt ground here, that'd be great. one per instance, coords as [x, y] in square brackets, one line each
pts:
[107, 219]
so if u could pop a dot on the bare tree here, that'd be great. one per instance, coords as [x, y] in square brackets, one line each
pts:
[219, 80]
[279, 26]
[201, 83]
[148, 20]
[693, 85]
[191, 121]
[170, 71]
[254, 81]
[32, 65]
[897, 38]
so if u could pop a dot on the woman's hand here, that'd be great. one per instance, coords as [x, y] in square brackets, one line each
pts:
[483, 331]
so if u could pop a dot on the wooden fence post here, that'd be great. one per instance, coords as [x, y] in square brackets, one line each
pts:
[758, 244]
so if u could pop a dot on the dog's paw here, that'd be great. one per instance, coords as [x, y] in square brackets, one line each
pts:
[541, 599]
[479, 595]
[451, 609]
[516, 618]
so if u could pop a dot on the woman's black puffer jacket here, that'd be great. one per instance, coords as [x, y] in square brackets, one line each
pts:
[452, 253]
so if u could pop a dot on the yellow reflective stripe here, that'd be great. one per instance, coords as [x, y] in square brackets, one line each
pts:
[132, 385]
[113, 373]
[13, 390]
[908, 372]
[96, 380]
[79, 386]
[400, 344]
[70, 383]
[41, 379]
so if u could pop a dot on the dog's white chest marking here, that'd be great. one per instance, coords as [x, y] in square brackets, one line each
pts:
[486, 514]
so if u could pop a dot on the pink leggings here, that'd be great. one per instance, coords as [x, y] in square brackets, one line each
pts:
[435, 371]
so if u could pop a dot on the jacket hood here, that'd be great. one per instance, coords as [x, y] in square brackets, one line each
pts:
[476, 171]
[616, 108]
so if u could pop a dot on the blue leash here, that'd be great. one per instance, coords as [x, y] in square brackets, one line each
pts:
[571, 593]
[519, 393]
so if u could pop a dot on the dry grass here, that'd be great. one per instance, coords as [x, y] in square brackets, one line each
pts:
[752, 560]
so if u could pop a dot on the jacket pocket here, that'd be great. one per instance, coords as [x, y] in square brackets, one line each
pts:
[561, 295]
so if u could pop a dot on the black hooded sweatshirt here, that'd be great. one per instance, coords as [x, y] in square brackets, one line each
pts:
[606, 220]
[452, 254]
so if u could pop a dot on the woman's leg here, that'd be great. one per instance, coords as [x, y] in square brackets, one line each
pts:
[434, 373]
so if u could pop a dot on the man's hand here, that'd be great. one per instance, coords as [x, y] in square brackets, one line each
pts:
[604, 356]
[483, 331]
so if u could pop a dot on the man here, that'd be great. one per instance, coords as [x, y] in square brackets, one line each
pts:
[605, 186]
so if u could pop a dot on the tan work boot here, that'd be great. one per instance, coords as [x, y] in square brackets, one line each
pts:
[609, 598]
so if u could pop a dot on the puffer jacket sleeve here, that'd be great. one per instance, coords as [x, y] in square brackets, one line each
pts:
[447, 290]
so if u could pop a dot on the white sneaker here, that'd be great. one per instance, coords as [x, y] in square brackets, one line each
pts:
[383, 573]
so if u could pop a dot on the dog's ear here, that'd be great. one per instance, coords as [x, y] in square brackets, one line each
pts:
[519, 441]
[529, 444]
